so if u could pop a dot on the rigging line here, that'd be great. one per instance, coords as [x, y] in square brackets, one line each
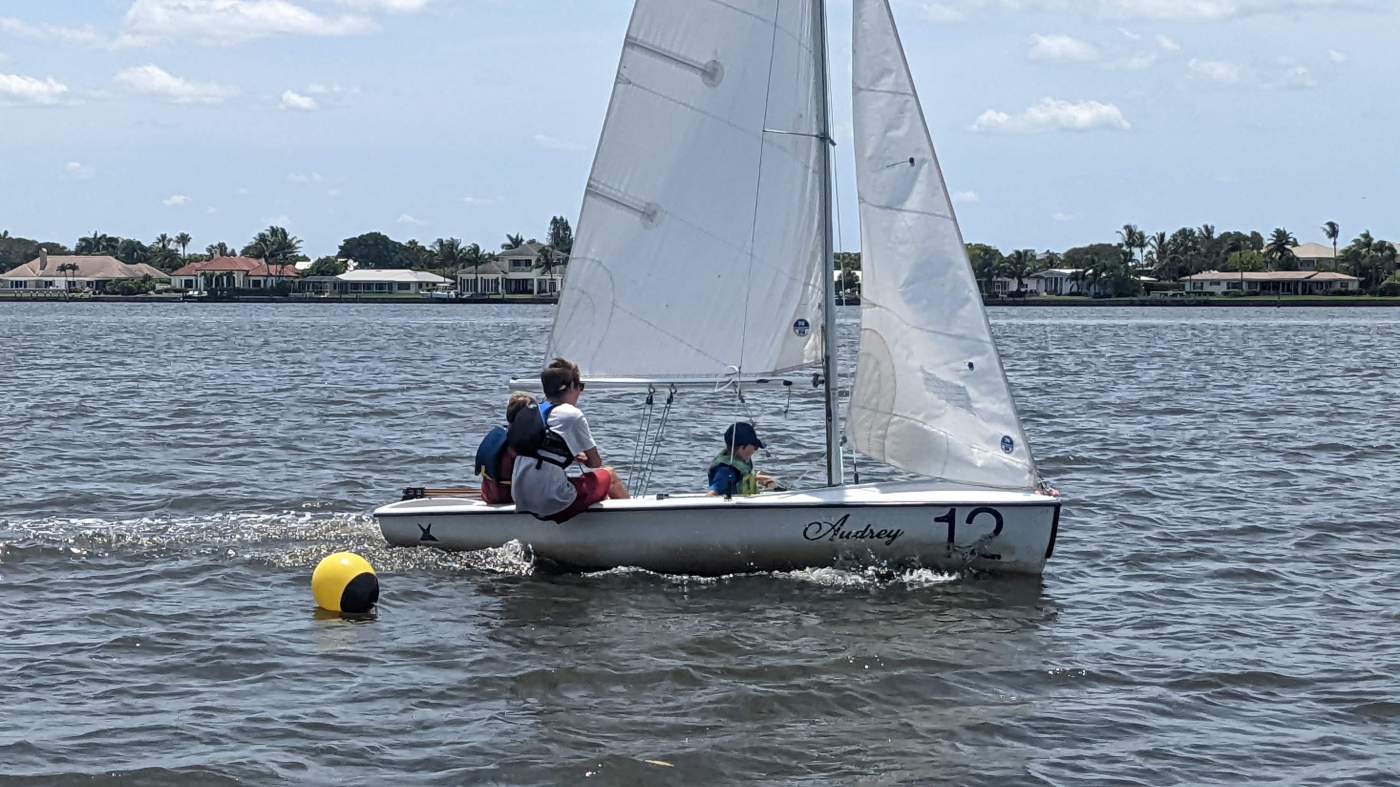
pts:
[656, 444]
[758, 181]
[644, 427]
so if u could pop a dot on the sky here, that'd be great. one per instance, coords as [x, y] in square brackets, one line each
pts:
[1057, 121]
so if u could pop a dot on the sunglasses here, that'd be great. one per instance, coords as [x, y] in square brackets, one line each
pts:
[581, 385]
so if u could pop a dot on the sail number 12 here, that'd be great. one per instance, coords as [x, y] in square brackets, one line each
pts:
[951, 518]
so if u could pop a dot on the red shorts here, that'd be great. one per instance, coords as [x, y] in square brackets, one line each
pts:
[592, 487]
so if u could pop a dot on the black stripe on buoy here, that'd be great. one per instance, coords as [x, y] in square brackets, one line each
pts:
[360, 594]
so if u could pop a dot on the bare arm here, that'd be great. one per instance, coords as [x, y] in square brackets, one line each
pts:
[591, 458]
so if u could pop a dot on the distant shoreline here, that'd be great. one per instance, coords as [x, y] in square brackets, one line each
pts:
[409, 301]
[1053, 302]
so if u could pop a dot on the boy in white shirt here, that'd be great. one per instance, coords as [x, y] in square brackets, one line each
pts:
[543, 488]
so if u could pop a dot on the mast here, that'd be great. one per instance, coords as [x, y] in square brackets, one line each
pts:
[835, 476]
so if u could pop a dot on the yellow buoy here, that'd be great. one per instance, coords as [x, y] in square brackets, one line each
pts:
[345, 582]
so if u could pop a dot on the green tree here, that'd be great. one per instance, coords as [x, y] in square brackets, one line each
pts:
[97, 243]
[547, 259]
[217, 250]
[276, 248]
[986, 264]
[561, 235]
[1018, 265]
[417, 255]
[1279, 252]
[133, 252]
[449, 255]
[1244, 261]
[513, 242]
[183, 241]
[326, 266]
[1333, 231]
[374, 250]
[68, 269]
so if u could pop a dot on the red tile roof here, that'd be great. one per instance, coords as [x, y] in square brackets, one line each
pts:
[247, 265]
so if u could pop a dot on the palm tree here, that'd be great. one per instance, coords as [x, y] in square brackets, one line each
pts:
[513, 242]
[1018, 264]
[545, 259]
[1280, 248]
[97, 243]
[986, 265]
[275, 247]
[183, 241]
[216, 250]
[1132, 238]
[1332, 230]
[68, 269]
[1159, 252]
[448, 254]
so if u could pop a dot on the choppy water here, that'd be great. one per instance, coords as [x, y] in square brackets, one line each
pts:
[1223, 605]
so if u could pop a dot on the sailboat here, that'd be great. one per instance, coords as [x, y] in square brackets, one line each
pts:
[704, 259]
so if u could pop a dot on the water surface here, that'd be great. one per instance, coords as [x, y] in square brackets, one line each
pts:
[1221, 607]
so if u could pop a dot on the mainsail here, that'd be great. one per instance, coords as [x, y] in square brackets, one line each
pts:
[699, 251]
[930, 395]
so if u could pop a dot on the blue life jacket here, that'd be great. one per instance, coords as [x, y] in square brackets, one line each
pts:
[489, 455]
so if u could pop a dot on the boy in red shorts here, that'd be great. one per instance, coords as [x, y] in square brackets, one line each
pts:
[542, 487]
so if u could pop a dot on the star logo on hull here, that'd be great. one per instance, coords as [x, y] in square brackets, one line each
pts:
[427, 533]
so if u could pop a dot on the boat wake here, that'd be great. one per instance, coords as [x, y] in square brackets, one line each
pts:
[298, 539]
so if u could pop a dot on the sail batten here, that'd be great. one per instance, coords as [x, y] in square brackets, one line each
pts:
[930, 395]
[697, 250]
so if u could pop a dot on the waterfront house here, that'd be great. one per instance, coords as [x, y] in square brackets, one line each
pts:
[1055, 281]
[93, 273]
[1315, 257]
[387, 281]
[232, 273]
[1272, 283]
[484, 279]
[524, 273]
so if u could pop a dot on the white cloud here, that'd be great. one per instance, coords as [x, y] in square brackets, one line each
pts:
[1051, 114]
[333, 192]
[32, 90]
[76, 170]
[67, 35]
[305, 177]
[1061, 216]
[1216, 71]
[231, 21]
[966, 197]
[1168, 44]
[1062, 49]
[1336, 57]
[404, 218]
[153, 80]
[391, 6]
[293, 100]
[553, 143]
[176, 201]
[481, 200]
[1129, 34]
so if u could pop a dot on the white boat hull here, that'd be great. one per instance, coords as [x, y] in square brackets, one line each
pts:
[896, 526]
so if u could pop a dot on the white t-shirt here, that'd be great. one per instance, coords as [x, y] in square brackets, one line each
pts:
[544, 489]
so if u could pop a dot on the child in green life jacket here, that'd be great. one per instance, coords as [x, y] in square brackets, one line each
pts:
[732, 473]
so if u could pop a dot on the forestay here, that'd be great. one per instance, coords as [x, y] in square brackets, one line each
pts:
[930, 395]
[698, 248]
